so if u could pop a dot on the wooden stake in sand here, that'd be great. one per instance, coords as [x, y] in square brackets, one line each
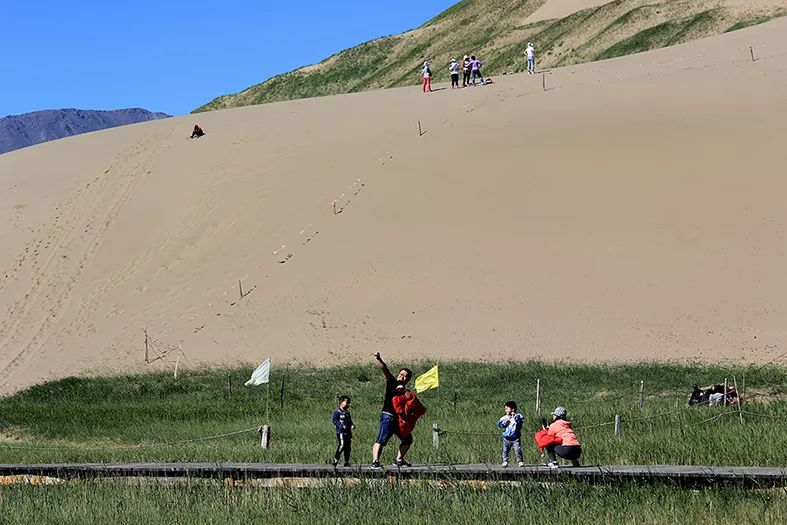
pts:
[147, 357]
[177, 359]
[420, 134]
[240, 288]
[544, 81]
[752, 54]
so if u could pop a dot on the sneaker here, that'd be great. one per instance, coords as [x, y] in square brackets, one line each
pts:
[552, 464]
[402, 463]
[504, 464]
[521, 464]
[347, 464]
[334, 462]
[376, 465]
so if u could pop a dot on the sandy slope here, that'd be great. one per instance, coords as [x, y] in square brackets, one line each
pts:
[635, 210]
[560, 8]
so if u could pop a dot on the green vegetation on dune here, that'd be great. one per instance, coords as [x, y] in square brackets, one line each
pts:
[212, 502]
[743, 24]
[661, 35]
[496, 32]
[105, 418]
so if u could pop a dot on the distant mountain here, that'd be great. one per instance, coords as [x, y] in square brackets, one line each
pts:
[498, 30]
[19, 131]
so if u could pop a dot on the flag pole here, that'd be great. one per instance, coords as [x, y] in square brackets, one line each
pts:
[268, 403]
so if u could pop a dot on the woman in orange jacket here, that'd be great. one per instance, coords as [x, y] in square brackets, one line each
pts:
[570, 448]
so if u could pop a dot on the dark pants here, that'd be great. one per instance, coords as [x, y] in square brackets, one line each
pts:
[345, 443]
[389, 426]
[466, 77]
[570, 452]
[477, 74]
[516, 444]
[454, 79]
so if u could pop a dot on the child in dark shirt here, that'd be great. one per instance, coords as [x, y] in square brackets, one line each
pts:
[343, 422]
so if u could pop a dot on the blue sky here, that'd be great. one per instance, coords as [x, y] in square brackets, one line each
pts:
[174, 55]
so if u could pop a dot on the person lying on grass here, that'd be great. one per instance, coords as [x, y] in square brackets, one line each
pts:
[389, 422]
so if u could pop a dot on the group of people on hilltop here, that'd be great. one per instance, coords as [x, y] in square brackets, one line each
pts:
[470, 68]
[402, 409]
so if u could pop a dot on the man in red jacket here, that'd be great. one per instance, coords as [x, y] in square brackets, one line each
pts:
[389, 422]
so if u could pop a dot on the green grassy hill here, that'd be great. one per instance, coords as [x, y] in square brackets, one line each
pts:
[496, 31]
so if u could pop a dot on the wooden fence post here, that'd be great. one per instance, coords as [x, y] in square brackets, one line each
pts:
[725, 391]
[641, 394]
[435, 435]
[538, 397]
[738, 397]
[265, 436]
[617, 425]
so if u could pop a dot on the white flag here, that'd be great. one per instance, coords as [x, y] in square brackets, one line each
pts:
[260, 376]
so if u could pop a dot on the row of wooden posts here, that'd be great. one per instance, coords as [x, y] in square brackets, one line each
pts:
[437, 431]
[265, 430]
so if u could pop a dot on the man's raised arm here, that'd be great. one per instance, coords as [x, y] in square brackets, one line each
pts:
[387, 373]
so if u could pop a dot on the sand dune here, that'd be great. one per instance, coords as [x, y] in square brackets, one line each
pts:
[560, 8]
[635, 210]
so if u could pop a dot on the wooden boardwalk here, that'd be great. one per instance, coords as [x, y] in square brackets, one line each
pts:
[677, 475]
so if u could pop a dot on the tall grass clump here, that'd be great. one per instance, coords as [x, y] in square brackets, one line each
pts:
[200, 502]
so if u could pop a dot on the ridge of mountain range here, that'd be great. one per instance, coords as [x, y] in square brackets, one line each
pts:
[20, 131]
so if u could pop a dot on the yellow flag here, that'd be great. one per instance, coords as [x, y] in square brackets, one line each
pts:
[427, 380]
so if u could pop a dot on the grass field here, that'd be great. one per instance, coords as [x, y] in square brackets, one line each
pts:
[138, 417]
[134, 417]
[212, 502]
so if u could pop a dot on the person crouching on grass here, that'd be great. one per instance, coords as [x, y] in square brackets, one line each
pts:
[389, 422]
[569, 448]
[343, 422]
[511, 423]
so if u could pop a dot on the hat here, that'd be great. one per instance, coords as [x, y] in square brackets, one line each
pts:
[560, 412]
[530, 43]
[453, 60]
[426, 63]
[466, 57]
